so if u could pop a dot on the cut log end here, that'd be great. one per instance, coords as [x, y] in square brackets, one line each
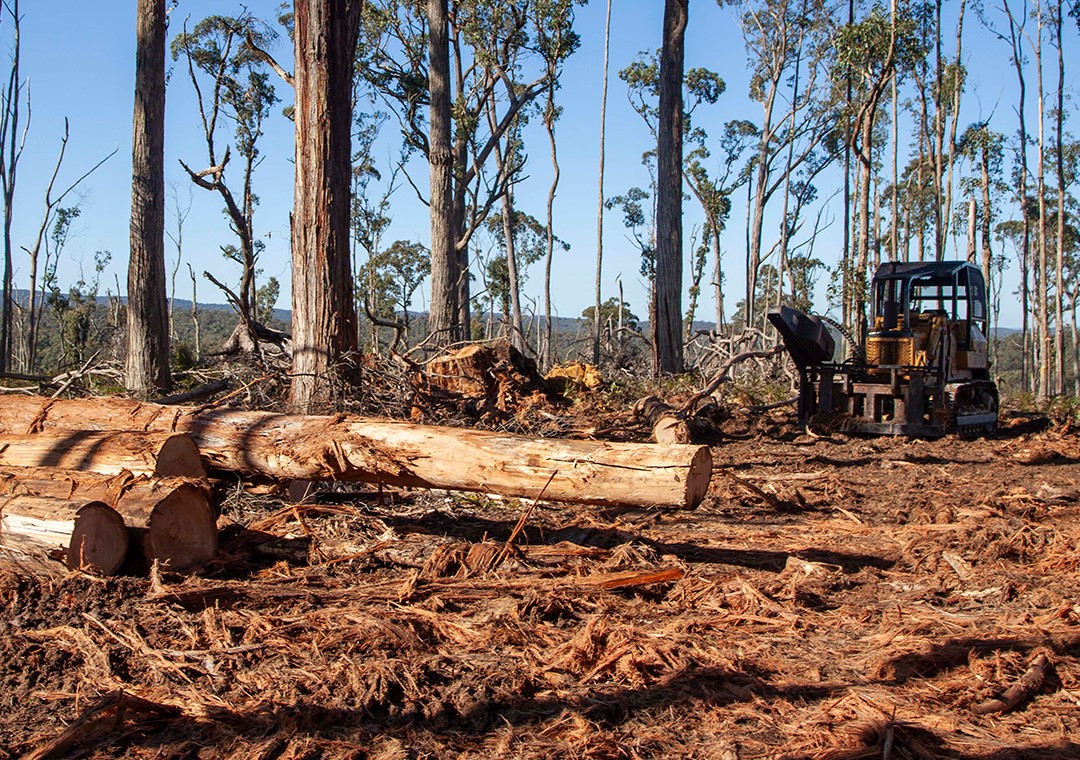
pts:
[84, 535]
[698, 476]
[671, 429]
[179, 457]
[99, 541]
[182, 531]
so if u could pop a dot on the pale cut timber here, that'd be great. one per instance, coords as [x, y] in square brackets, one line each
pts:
[398, 453]
[171, 519]
[85, 535]
[104, 451]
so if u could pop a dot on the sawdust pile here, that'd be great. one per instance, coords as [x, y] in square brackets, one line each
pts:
[834, 597]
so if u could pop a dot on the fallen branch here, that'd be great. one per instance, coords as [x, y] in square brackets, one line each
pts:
[721, 375]
[1020, 691]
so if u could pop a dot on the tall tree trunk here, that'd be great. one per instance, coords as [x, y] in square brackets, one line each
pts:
[324, 310]
[862, 243]
[954, 119]
[1042, 280]
[1059, 293]
[669, 260]
[517, 332]
[600, 193]
[1075, 349]
[940, 219]
[550, 114]
[1016, 42]
[147, 368]
[445, 270]
[987, 257]
[894, 254]
[10, 151]
[761, 182]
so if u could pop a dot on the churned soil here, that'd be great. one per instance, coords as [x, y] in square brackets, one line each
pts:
[835, 597]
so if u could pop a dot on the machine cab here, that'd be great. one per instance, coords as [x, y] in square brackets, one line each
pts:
[925, 312]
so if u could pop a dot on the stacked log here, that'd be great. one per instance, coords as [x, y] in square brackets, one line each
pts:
[106, 452]
[296, 447]
[84, 535]
[93, 498]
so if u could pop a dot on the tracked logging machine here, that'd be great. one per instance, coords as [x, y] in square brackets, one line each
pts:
[923, 370]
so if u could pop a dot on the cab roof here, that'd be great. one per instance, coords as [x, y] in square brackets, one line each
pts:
[911, 270]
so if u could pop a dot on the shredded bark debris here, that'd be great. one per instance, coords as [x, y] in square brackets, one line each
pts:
[834, 597]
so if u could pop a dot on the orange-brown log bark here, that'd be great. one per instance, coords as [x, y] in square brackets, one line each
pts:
[355, 448]
[105, 452]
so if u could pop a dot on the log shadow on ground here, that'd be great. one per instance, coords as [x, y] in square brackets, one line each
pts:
[942, 656]
[474, 529]
[126, 723]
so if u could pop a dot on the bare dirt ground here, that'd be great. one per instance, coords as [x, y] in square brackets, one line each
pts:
[834, 597]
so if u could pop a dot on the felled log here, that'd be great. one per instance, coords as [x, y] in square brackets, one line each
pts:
[344, 447]
[107, 452]
[668, 425]
[170, 520]
[87, 535]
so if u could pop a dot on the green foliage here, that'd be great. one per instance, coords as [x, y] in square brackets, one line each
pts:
[220, 48]
[642, 79]
[388, 280]
[634, 218]
[870, 50]
[78, 333]
[265, 299]
[609, 314]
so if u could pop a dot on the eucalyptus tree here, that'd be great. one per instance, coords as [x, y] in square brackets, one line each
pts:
[232, 86]
[939, 84]
[147, 365]
[669, 158]
[713, 191]
[391, 277]
[1014, 35]
[1057, 21]
[869, 53]
[529, 238]
[12, 95]
[985, 150]
[596, 318]
[555, 42]
[324, 331]
[702, 86]
[45, 249]
[790, 48]
[485, 59]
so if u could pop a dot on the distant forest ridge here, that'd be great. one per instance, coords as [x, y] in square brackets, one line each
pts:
[285, 315]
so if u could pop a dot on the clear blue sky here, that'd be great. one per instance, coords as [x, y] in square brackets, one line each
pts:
[78, 60]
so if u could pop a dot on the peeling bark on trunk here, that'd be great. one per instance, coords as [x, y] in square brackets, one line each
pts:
[148, 315]
[324, 312]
